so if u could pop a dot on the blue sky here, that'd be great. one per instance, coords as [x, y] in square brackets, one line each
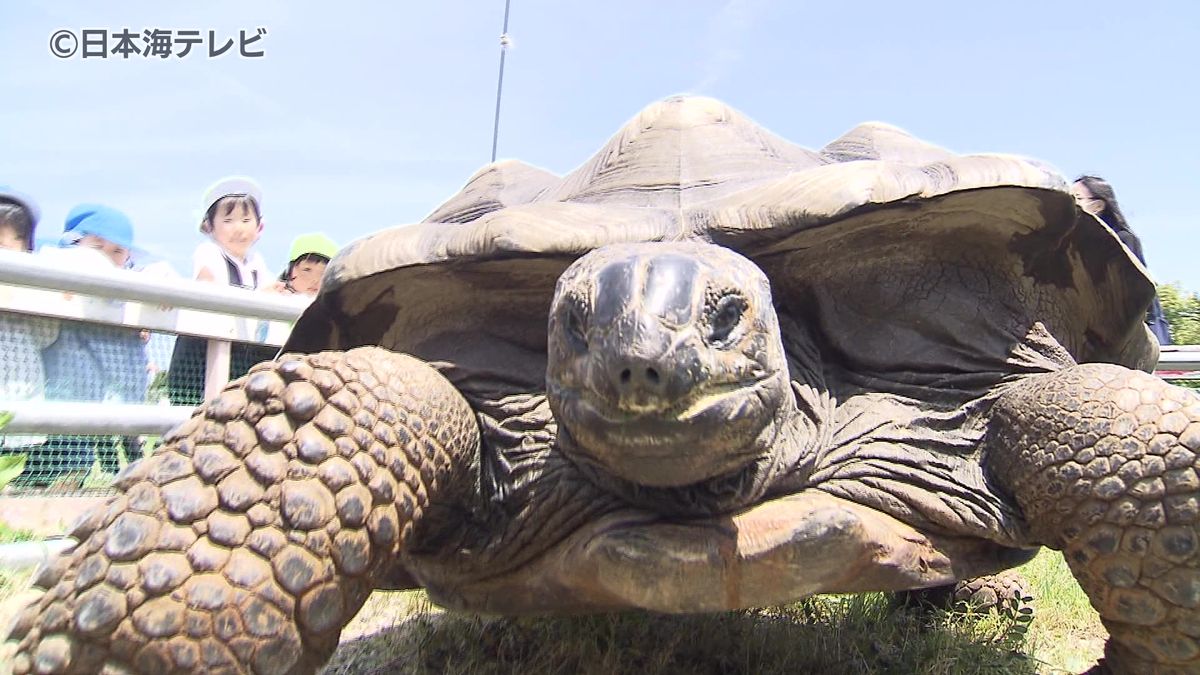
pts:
[366, 115]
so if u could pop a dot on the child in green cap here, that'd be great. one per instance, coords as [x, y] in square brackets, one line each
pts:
[307, 259]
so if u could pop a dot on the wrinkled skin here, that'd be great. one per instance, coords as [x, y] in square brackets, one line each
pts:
[677, 462]
[666, 367]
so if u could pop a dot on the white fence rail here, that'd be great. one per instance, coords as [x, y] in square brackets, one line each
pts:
[1179, 358]
[36, 286]
[105, 419]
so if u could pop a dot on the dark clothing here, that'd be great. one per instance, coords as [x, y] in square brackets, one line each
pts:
[185, 379]
[1155, 318]
[93, 362]
[1131, 242]
[90, 362]
[1157, 321]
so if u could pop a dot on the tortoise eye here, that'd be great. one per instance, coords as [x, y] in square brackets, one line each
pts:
[576, 327]
[726, 316]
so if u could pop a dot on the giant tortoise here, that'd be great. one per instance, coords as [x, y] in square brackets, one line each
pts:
[709, 369]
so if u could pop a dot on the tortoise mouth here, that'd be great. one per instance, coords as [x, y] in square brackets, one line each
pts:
[691, 408]
[713, 432]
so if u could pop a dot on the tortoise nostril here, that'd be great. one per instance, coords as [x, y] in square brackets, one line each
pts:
[639, 380]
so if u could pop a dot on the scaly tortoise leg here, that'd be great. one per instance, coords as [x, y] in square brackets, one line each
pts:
[256, 532]
[1103, 462]
[1006, 592]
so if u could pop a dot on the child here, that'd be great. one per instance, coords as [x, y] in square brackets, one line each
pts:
[94, 362]
[22, 338]
[307, 259]
[233, 222]
[18, 220]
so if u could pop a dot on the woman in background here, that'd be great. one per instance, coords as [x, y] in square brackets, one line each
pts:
[1095, 196]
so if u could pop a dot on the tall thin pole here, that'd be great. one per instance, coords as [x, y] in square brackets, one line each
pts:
[500, 83]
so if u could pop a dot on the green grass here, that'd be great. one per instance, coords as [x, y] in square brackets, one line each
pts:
[1188, 383]
[12, 582]
[95, 480]
[854, 634]
[1066, 630]
[401, 632]
[11, 534]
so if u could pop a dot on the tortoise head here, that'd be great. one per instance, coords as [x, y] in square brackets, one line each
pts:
[666, 366]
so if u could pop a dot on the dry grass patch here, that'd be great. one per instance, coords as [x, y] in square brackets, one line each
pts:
[868, 633]
[831, 634]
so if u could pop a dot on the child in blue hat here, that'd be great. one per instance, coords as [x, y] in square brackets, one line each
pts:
[100, 228]
[94, 362]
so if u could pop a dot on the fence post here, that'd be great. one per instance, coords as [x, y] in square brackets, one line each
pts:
[216, 367]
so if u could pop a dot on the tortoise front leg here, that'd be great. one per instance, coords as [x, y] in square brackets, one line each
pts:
[1103, 461]
[252, 537]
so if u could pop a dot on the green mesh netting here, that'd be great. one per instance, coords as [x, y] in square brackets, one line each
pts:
[61, 360]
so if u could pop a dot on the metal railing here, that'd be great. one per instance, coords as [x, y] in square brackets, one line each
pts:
[20, 269]
[222, 315]
[1179, 359]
